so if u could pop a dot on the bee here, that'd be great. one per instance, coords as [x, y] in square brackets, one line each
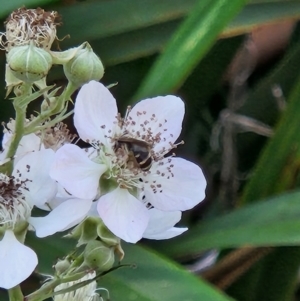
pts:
[139, 151]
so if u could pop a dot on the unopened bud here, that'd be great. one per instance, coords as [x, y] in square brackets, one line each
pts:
[98, 256]
[85, 231]
[29, 63]
[107, 236]
[84, 66]
[61, 266]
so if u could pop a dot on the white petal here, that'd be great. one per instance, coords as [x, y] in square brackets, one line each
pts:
[60, 197]
[76, 172]
[17, 261]
[161, 224]
[93, 210]
[163, 115]
[6, 140]
[28, 144]
[162, 220]
[34, 168]
[179, 185]
[123, 214]
[170, 233]
[95, 112]
[63, 217]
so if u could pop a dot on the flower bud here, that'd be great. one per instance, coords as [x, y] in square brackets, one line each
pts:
[107, 236]
[84, 66]
[98, 256]
[62, 265]
[85, 231]
[29, 63]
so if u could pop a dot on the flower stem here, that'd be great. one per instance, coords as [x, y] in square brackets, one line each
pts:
[16, 138]
[15, 294]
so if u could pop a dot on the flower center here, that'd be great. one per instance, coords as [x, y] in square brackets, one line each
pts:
[13, 206]
[132, 151]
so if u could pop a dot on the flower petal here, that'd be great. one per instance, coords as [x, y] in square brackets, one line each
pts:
[34, 168]
[174, 184]
[162, 116]
[95, 113]
[27, 144]
[170, 233]
[17, 261]
[76, 172]
[123, 214]
[161, 224]
[63, 217]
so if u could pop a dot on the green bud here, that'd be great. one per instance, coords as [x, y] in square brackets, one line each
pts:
[107, 236]
[11, 80]
[98, 256]
[48, 103]
[61, 266]
[85, 231]
[84, 66]
[29, 63]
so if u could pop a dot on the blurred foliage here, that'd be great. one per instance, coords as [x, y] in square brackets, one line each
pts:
[236, 65]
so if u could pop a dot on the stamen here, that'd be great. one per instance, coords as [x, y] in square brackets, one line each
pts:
[13, 206]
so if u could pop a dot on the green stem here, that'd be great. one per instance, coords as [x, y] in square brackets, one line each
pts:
[15, 294]
[17, 136]
[35, 124]
[46, 291]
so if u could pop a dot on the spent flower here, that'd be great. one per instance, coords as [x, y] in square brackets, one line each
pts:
[85, 293]
[25, 25]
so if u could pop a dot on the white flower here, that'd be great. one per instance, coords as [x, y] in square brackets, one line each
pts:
[19, 193]
[128, 172]
[30, 185]
[66, 211]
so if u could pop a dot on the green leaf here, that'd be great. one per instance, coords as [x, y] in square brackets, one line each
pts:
[155, 278]
[103, 19]
[272, 222]
[188, 46]
[284, 149]
[8, 6]
[254, 15]
[147, 41]
[278, 170]
[279, 286]
[122, 42]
